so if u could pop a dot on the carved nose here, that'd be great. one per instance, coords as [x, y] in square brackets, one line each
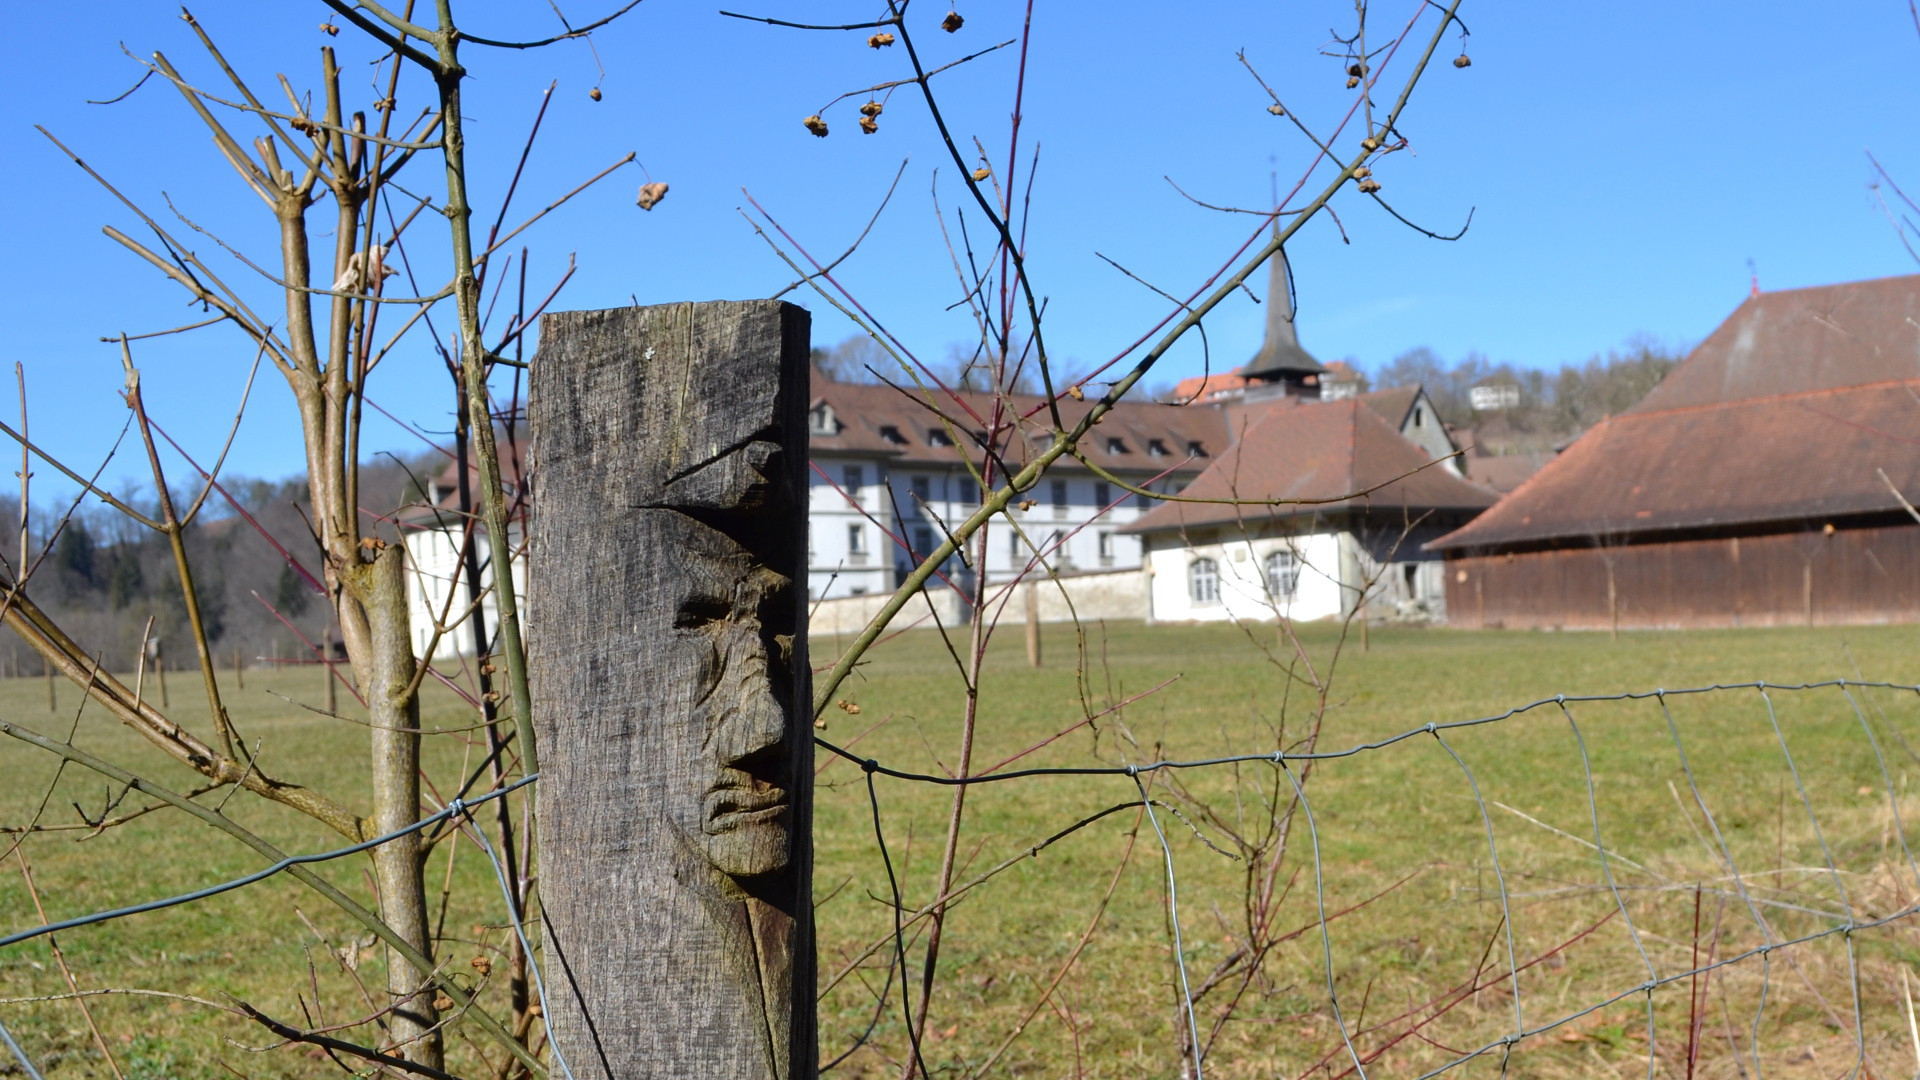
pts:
[755, 722]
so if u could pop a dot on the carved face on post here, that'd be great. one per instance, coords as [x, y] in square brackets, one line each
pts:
[731, 622]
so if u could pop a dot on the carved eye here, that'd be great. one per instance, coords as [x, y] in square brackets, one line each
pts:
[700, 611]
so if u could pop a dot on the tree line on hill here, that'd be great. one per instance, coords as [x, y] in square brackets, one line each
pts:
[1553, 406]
[102, 576]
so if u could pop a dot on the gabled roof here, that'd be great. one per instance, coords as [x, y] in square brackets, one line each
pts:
[875, 419]
[1796, 340]
[1317, 457]
[1807, 456]
[1393, 404]
[1782, 414]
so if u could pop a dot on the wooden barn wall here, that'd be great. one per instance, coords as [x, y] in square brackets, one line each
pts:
[1852, 576]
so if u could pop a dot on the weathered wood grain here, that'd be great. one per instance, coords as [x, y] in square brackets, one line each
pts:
[669, 671]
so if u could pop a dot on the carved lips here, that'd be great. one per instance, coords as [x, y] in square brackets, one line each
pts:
[743, 803]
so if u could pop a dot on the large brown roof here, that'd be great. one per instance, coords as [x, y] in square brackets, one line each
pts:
[879, 419]
[1796, 340]
[1807, 456]
[1318, 456]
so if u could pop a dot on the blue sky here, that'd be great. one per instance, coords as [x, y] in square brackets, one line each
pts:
[1624, 161]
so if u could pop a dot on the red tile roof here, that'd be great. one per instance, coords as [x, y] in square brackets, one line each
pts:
[1202, 388]
[1316, 457]
[1782, 414]
[878, 419]
[1806, 456]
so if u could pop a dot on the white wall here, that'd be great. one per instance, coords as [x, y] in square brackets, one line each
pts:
[833, 567]
[1088, 530]
[1242, 589]
[433, 569]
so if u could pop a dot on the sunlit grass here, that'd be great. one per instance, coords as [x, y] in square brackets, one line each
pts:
[1404, 812]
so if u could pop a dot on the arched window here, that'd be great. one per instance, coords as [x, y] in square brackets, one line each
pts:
[1203, 581]
[1283, 575]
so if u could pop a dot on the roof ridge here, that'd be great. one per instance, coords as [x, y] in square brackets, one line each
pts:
[1761, 399]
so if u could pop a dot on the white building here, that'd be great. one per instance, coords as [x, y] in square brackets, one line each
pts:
[436, 536]
[1325, 507]
[890, 477]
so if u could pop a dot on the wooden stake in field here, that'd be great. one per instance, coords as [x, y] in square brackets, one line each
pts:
[326, 671]
[668, 543]
[160, 668]
[239, 672]
[1033, 624]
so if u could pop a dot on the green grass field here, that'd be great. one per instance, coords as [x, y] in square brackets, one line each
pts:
[1399, 831]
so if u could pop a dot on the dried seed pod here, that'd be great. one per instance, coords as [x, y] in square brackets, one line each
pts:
[329, 29]
[1370, 143]
[820, 722]
[816, 125]
[482, 965]
[853, 709]
[952, 22]
[1356, 70]
[1076, 393]
[651, 193]
[1276, 110]
[1027, 504]
[1462, 61]
[443, 1003]
[594, 93]
[872, 108]
[982, 174]
[880, 41]
[1353, 81]
[1369, 185]
[868, 126]
[1361, 172]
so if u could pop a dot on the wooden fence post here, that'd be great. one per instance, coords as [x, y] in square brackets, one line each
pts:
[1033, 624]
[668, 664]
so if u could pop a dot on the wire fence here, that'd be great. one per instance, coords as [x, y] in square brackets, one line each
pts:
[1859, 894]
[1782, 924]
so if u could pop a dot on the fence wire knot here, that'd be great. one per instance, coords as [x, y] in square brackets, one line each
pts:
[870, 765]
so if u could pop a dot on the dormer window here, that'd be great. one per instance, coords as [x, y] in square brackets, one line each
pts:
[1156, 448]
[938, 437]
[821, 421]
[892, 435]
[1116, 446]
[1194, 449]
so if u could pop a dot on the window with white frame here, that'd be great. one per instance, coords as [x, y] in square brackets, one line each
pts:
[1106, 549]
[965, 493]
[852, 479]
[922, 490]
[821, 421]
[1102, 495]
[1283, 575]
[1057, 549]
[1059, 498]
[1203, 581]
[856, 539]
[922, 541]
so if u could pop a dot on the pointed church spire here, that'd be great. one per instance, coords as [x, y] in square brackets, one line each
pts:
[1280, 357]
